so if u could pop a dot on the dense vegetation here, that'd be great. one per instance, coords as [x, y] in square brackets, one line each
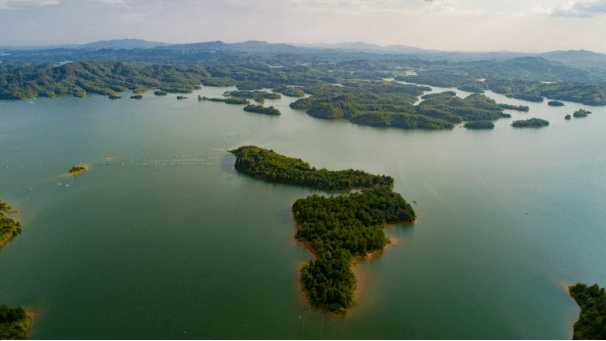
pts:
[160, 93]
[270, 166]
[289, 91]
[567, 117]
[262, 110]
[592, 320]
[389, 104]
[581, 113]
[14, 323]
[340, 228]
[137, 97]
[515, 107]
[479, 125]
[449, 93]
[8, 227]
[258, 96]
[531, 122]
[555, 103]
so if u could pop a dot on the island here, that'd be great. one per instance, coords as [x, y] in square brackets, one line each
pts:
[114, 97]
[137, 97]
[581, 113]
[228, 100]
[259, 109]
[531, 122]
[567, 117]
[592, 319]
[258, 96]
[270, 166]
[77, 170]
[9, 229]
[515, 107]
[15, 323]
[337, 229]
[182, 97]
[479, 125]
[160, 93]
[555, 103]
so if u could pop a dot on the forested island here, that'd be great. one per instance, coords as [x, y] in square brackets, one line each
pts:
[592, 320]
[479, 125]
[77, 170]
[15, 323]
[137, 97]
[337, 228]
[270, 166]
[226, 100]
[258, 96]
[9, 229]
[581, 113]
[567, 117]
[555, 103]
[531, 122]
[515, 107]
[259, 109]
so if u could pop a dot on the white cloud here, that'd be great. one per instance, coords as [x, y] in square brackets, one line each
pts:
[572, 9]
[15, 4]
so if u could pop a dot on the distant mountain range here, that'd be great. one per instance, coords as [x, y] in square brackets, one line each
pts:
[575, 58]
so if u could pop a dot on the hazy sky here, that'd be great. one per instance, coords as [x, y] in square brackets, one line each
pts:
[468, 25]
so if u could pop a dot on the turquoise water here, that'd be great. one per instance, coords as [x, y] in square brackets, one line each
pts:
[161, 236]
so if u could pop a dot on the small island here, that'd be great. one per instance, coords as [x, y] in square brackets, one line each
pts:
[160, 93]
[479, 125]
[15, 323]
[182, 97]
[137, 97]
[555, 103]
[77, 170]
[592, 320]
[114, 97]
[9, 229]
[531, 122]
[515, 107]
[581, 113]
[567, 117]
[259, 109]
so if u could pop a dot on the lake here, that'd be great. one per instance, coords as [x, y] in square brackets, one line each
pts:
[162, 239]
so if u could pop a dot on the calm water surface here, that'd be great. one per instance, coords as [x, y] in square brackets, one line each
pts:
[161, 236]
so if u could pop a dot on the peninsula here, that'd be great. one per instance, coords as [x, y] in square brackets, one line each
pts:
[9, 229]
[15, 323]
[339, 228]
[592, 320]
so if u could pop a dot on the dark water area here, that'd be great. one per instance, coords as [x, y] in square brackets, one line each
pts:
[162, 236]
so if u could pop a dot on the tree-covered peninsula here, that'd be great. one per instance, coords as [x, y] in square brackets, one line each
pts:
[515, 107]
[270, 166]
[9, 229]
[555, 103]
[14, 323]
[592, 320]
[259, 109]
[338, 228]
[531, 122]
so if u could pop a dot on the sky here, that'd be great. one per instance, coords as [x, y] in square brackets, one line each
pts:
[449, 25]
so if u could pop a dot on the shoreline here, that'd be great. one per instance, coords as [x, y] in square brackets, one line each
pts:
[32, 316]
